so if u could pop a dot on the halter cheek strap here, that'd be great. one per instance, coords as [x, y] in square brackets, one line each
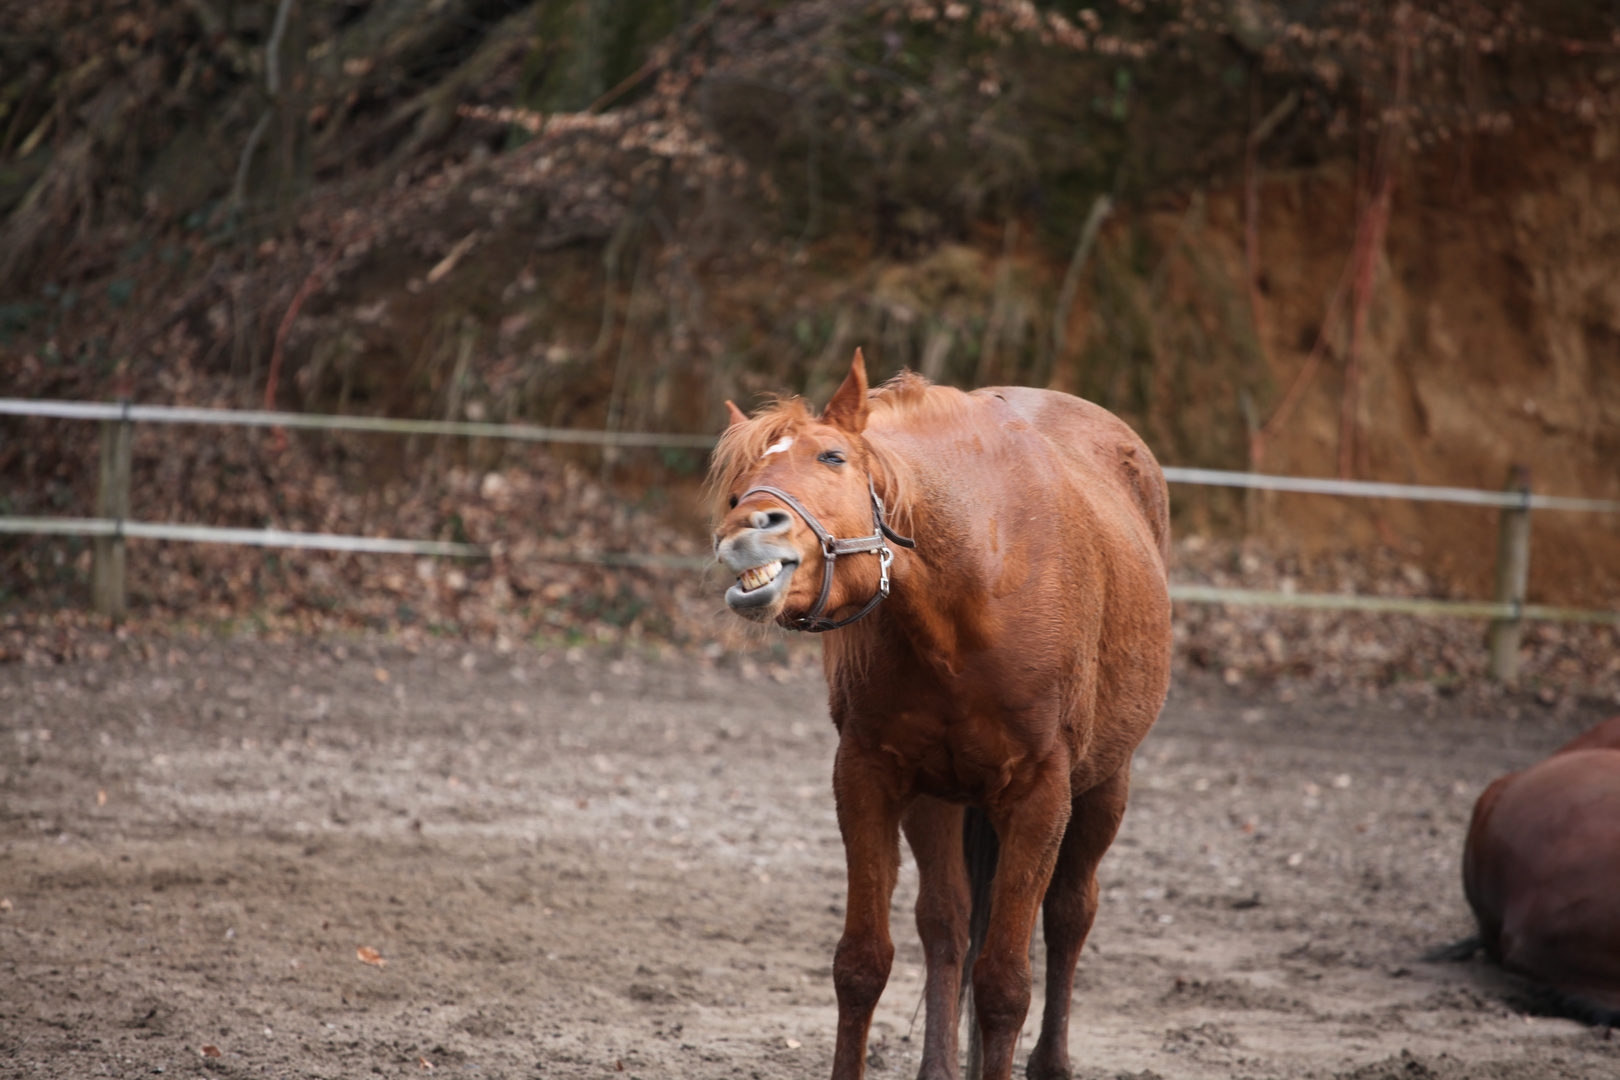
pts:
[815, 621]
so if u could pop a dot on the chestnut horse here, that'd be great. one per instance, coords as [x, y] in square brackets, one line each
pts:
[1542, 873]
[1002, 669]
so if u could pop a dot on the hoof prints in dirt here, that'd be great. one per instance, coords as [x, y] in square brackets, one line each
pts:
[1408, 1066]
[577, 862]
[1228, 994]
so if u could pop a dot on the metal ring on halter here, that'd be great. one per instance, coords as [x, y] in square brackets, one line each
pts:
[814, 621]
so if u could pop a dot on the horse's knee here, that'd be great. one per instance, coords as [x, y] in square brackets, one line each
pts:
[1001, 992]
[861, 970]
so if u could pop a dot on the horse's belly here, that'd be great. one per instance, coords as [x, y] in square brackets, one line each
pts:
[1567, 941]
[980, 761]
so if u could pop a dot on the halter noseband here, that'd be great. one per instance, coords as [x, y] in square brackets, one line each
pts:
[815, 622]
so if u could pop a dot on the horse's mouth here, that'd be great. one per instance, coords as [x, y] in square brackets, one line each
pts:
[759, 588]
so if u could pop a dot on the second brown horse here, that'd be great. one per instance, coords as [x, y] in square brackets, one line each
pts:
[1542, 873]
[1021, 654]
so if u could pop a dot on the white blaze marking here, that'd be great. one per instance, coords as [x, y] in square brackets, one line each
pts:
[777, 447]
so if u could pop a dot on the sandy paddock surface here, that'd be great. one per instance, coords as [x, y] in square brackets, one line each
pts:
[573, 863]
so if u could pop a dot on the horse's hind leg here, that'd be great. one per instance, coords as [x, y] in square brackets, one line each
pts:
[1030, 831]
[1071, 906]
[934, 831]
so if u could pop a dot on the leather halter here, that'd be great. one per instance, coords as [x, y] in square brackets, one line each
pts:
[815, 622]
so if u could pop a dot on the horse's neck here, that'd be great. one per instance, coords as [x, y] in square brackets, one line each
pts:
[920, 618]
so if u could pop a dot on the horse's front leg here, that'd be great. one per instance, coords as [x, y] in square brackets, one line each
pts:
[1031, 832]
[934, 831]
[869, 807]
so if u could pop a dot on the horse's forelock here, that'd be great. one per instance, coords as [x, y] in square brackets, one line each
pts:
[742, 445]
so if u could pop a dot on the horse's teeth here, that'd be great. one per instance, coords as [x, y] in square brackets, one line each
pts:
[760, 575]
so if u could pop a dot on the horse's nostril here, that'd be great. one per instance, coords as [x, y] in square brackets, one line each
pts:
[769, 520]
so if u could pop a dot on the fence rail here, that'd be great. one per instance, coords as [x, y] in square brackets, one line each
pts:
[1507, 611]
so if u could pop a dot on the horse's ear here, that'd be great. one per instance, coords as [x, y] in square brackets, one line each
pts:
[848, 408]
[736, 415]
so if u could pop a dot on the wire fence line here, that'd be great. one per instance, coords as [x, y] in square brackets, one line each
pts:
[1396, 605]
[1506, 612]
[1315, 485]
[1305, 485]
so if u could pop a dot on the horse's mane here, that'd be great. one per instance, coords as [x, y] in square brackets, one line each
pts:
[904, 399]
[903, 396]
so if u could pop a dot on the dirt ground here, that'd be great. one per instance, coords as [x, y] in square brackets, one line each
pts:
[576, 863]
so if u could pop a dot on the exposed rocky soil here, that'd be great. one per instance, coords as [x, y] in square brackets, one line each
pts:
[580, 862]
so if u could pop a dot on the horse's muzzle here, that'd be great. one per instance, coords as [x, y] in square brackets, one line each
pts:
[764, 572]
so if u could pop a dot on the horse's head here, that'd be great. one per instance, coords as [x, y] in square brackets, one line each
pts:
[823, 465]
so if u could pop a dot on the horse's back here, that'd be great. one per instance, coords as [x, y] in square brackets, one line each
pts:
[1103, 447]
[1542, 869]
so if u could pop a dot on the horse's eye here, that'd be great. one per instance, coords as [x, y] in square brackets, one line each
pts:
[830, 457]
[734, 502]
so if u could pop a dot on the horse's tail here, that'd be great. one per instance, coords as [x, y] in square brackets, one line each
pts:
[1537, 998]
[1456, 952]
[980, 850]
[1540, 999]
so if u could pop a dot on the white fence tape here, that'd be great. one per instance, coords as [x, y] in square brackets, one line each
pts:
[211, 534]
[171, 414]
[283, 538]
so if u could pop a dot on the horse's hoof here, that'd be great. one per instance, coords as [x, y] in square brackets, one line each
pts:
[1063, 1073]
[1038, 1069]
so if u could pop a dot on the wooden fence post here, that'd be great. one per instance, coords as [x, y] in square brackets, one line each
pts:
[1512, 574]
[107, 588]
